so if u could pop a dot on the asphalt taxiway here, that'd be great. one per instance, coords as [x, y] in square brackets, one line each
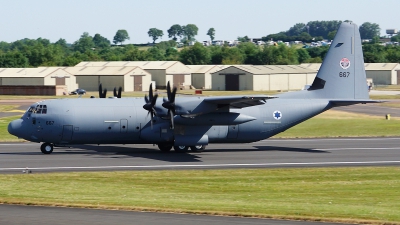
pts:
[17, 157]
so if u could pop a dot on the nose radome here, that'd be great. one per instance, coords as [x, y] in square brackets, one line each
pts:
[14, 127]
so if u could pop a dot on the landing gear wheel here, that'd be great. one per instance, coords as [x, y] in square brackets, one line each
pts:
[181, 148]
[165, 147]
[197, 148]
[46, 148]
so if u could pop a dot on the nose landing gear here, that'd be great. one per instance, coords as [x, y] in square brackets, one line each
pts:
[46, 148]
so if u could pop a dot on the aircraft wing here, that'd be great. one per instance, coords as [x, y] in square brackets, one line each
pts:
[239, 101]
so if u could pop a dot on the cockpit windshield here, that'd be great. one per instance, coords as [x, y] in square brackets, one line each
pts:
[36, 109]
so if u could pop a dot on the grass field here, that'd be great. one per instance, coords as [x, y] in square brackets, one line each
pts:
[354, 194]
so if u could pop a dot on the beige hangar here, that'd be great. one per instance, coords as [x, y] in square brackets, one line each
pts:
[161, 71]
[130, 78]
[262, 77]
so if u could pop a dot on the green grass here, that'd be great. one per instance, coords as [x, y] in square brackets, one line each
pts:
[383, 97]
[4, 135]
[335, 123]
[8, 108]
[358, 194]
[387, 87]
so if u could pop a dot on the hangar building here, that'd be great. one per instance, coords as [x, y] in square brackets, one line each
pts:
[201, 75]
[130, 78]
[42, 76]
[262, 77]
[383, 73]
[161, 71]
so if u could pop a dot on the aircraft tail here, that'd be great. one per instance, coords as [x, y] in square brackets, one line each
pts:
[342, 74]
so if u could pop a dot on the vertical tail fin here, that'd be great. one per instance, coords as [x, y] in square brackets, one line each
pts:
[342, 74]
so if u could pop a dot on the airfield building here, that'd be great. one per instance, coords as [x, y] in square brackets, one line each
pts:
[262, 78]
[161, 71]
[130, 78]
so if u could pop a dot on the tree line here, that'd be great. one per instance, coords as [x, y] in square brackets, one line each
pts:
[41, 52]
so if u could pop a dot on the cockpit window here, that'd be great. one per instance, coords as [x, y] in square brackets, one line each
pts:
[39, 109]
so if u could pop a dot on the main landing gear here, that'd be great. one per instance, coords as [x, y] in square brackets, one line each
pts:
[46, 148]
[181, 148]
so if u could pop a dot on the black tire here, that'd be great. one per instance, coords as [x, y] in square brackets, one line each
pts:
[181, 148]
[46, 148]
[197, 148]
[165, 147]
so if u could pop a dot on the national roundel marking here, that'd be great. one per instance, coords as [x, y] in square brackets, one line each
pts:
[277, 115]
[345, 63]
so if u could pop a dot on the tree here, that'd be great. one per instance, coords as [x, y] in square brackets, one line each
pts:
[190, 31]
[211, 33]
[100, 41]
[297, 29]
[322, 28]
[121, 36]
[303, 55]
[195, 55]
[175, 31]
[243, 39]
[155, 34]
[369, 30]
[13, 59]
[84, 43]
[231, 56]
[331, 35]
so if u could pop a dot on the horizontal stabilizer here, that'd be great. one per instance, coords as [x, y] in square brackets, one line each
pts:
[345, 102]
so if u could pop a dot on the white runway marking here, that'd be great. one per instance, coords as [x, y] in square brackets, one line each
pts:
[198, 166]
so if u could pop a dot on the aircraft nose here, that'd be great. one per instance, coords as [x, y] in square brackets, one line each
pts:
[14, 127]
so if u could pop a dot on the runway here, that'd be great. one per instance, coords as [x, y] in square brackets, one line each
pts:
[33, 215]
[16, 157]
[272, 153]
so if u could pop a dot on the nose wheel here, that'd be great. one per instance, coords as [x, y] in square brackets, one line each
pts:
[46, 148]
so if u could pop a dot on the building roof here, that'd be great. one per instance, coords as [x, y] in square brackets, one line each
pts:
[156, 65]
[170, 67]
[106, 70]
[205, 68]
[368, 66]
[311, 66]
[40, 72]
[381, 66]
[271, 69]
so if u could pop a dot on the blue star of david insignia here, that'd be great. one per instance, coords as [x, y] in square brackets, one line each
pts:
[277, 115]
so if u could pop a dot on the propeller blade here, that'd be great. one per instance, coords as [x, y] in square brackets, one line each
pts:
[146, 99]
[100, 91]
[115, 92]
[105, 93]
[151, 119]
[119, 92]
[168, 91]
[172, 99]
[151, 91]
[172, 119]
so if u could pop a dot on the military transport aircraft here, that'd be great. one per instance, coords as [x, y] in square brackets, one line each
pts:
[194, 122]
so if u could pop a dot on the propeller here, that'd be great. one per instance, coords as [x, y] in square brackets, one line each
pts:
[150, 102]
[170, 103]
[102, 94]
[118, 94]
